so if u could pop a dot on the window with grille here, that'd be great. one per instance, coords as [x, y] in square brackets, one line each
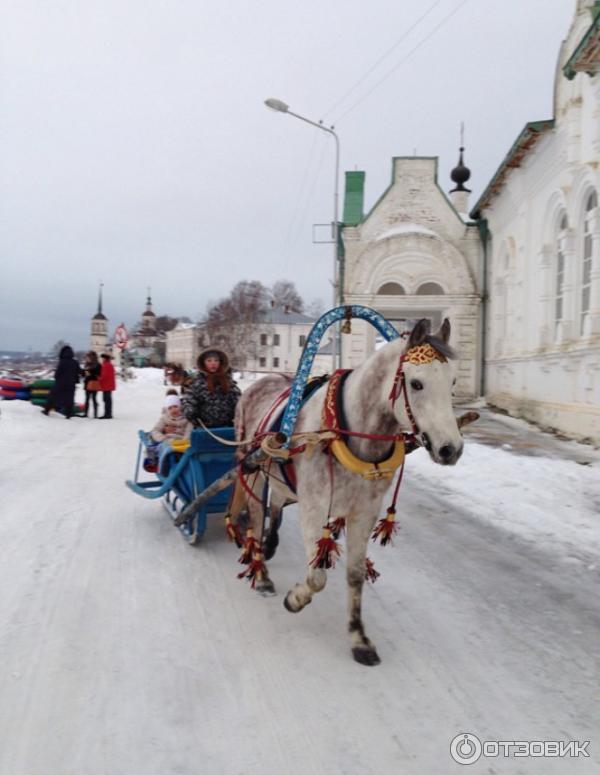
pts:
[263, 339]
[262, 362]
[275, 363]
[301, 340]
[276, 339]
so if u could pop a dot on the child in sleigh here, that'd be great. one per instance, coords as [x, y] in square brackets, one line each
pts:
[170, 425]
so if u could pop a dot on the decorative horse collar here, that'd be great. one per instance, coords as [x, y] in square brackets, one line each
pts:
[332, 418]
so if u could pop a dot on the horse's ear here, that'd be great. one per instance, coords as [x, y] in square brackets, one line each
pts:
[418, 334]
[444, 332]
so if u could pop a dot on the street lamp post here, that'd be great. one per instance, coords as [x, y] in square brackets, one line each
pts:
[281, 107]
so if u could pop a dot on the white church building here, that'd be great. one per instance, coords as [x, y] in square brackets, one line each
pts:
[542, 333]
[416, 254]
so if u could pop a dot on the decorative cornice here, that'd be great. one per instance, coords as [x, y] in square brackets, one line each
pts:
[524, 143]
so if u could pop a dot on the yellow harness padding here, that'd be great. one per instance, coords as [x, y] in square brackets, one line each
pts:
[180, 445]
[384, 470]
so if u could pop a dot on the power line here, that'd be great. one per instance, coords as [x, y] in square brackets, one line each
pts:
[402, 61]
[383, 56]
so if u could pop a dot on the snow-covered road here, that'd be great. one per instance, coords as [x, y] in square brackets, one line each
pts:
[124, 651]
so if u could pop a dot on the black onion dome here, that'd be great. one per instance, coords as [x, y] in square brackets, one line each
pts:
[460, 174]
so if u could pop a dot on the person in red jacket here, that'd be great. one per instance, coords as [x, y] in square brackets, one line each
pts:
[107, 385]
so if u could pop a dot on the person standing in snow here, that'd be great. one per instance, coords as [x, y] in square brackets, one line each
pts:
[213, 395]
[107, 385]
[91, 381]
[66, 376]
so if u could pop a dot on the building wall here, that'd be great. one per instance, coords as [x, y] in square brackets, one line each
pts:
[283, 348]
[414, 237]
[99, 336]
[543, 353]
[182, 345]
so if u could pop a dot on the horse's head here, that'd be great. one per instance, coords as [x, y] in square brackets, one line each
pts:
[427, 392]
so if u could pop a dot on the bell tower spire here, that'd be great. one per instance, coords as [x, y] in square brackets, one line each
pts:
[459, 195]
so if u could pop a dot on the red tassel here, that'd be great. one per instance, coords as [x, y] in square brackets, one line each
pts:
[370, 573]
[249, 549]
[327, 551]
[337, 527]
[233, 531]
[256, 570]
[386, 528]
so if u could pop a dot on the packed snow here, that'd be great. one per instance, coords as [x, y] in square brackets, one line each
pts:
[124, 650]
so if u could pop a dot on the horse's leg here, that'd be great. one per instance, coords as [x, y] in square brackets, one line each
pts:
[316, 578]
[271, 537]
[358, 531]
[237, 504]
[264, 585]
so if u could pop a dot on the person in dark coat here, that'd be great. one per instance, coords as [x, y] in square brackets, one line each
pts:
[107, 385]
[66, 376]
[91, 381]
[212, 396]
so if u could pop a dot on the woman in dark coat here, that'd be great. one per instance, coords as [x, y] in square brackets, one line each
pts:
[91, 383]
[212, 396]
[66, 376]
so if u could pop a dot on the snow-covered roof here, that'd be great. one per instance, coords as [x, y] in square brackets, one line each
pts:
[279, 315]
[406, 228]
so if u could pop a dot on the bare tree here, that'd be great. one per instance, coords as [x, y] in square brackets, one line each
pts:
[230, 322]
[56, 348]
[285, 294]
[166, 323]
[316, 308]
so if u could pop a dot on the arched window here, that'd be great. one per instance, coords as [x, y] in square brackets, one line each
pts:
[430, 289]
[586, 267]
[559, 293]
[391, 289]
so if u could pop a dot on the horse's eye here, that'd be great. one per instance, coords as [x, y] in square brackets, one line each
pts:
[416, 384]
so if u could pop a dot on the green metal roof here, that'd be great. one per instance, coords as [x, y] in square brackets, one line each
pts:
[354, 198]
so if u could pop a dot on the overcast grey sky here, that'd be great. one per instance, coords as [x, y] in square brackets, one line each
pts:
[135, 146]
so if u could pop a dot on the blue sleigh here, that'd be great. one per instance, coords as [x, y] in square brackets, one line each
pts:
[183, 476]
[185, 480]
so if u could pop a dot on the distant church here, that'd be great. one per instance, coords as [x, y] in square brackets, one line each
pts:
[99, 329]
[146, 343]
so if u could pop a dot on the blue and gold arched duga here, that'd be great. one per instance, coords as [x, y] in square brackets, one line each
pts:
[313, 342]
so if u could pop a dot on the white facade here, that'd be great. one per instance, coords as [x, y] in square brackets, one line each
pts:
[182, 345]
[416, 254]
[281, 349]
[99, 335]
[276, 343]
[543, 323]
[273, 345]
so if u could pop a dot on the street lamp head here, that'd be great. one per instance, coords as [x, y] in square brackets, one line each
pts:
[278, 105]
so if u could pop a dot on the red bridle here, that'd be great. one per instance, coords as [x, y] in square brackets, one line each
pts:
[399, 387]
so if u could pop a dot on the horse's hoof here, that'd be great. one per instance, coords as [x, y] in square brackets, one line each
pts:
[265, 587]
[293, 609]
[365, 655]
